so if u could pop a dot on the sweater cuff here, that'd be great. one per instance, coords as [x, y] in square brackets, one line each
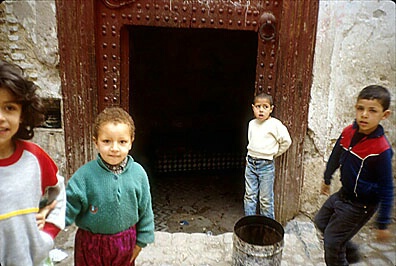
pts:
[140, 244]
[327, 181]
[51, 229]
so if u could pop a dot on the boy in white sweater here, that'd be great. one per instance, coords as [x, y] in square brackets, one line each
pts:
[268, 138]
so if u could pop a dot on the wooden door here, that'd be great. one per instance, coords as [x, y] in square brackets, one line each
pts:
[94, 50]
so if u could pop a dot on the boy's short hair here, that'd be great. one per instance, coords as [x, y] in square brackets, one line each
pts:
[376, 92]
[263, 95]
[114, 115]
[12, 78]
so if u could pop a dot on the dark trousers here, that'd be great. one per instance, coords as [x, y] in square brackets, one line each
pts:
[339, 220]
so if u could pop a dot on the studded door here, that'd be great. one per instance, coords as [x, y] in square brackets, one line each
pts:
[113, 16]
[94, 46]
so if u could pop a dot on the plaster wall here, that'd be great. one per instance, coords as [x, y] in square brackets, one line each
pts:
[355, 47]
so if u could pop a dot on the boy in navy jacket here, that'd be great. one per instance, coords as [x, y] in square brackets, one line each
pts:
[364, 156]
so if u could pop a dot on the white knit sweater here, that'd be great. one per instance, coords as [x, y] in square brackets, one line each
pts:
[267, 139]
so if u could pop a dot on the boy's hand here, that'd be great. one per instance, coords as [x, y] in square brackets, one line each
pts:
[383, 235]
[43, 213]
[325, 189]
[135, 253]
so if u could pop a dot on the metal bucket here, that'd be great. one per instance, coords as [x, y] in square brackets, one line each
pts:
[257, 241]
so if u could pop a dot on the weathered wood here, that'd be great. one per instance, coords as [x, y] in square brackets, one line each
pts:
[78, 78]
[293, 84]
[95, 64]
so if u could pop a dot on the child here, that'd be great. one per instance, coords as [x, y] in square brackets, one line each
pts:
[28, 175]
[363, 155]
[109, 198]
[268, 138]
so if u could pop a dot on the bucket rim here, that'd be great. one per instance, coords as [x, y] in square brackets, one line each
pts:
[259, 219]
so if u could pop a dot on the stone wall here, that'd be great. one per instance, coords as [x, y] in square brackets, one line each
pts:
[355, 47]
[28, 37]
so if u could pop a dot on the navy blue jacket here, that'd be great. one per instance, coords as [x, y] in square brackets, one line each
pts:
[366, 170]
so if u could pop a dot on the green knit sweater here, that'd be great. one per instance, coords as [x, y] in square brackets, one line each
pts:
[102, 202]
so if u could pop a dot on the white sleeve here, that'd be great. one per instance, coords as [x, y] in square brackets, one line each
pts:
[284, 140]
[58, 215]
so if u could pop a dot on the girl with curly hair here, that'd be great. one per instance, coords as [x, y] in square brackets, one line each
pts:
[28, 176]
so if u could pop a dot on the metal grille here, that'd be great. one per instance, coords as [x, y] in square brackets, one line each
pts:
[198, 161]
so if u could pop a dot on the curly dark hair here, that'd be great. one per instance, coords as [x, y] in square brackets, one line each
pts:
[113, 115]
[13, 79]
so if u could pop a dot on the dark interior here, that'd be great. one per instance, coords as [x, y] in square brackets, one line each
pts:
[190, 96]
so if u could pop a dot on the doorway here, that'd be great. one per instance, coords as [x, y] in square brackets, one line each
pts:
[98, 75]
[190, 95]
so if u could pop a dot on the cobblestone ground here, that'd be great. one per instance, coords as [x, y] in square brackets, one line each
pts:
[302, 247]
[195, 228]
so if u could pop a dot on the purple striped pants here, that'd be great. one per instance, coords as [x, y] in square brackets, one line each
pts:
[104, 250]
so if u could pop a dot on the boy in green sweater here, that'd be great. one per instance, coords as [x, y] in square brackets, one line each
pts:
[109, 198]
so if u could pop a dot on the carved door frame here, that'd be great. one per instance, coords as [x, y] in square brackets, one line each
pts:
[94, 52]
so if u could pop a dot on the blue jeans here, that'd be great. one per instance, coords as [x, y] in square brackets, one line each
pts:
[259, 186]
[339, 220]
